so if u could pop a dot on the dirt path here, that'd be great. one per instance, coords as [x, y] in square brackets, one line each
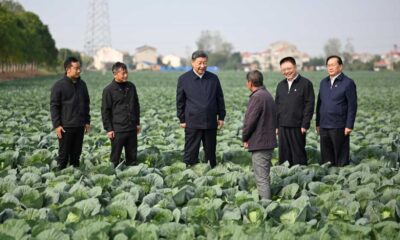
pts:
[19, 75]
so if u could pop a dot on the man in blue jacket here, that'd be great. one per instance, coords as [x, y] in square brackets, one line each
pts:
[200, 109]
[336, 113]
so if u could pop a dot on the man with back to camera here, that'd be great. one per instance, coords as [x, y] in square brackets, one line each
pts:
[336, 113]
[295, 107]
[200, 109]
[69, 108]
[258, 133]
[120, 111]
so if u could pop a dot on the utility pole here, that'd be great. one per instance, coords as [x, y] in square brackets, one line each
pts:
[98, 34]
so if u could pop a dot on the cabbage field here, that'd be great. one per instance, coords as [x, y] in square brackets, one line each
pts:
[161, 199]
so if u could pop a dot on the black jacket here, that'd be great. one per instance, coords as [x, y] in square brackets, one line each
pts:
[260, 121]
[199, 101]
[295, 108]
[69, 103]
[120, 109]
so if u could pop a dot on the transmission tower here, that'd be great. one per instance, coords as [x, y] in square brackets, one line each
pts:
[98, 34]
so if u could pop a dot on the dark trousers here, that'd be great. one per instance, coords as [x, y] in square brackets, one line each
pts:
[127, 140]
[335, 146]
[192, 145]
[292, 145]
[70, 147]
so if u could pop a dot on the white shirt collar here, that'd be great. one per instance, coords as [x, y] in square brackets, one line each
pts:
[292, 79]
[200, 76]
[334, 77]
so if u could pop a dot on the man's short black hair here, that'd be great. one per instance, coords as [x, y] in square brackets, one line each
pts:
[288, 59]
[117, 66]
[68, 62]
[255, 77]
[199, 54]
[339, 60]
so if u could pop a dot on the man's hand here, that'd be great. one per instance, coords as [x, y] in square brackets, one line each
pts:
[220, 124]
[318, 129]
[87, 128]
[111, 134]
[347, 131]
[277, 131]
[138, 129]
[245, 145]
[182, 125]
[303, 131]
[59, 131]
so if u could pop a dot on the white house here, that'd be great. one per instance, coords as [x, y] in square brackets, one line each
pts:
[106, 56]
[171, 60]
[145, 58]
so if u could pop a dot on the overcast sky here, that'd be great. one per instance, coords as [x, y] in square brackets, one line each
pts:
[173, 26]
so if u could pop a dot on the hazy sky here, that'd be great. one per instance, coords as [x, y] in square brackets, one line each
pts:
[173, 26]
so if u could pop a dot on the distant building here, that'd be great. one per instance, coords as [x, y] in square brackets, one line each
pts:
[281, 49]
[381, 65]
[171, 60]
[388, 60]
[362, 57]
[105, 57]
[269, 59]
[254, 61]
[145, 58]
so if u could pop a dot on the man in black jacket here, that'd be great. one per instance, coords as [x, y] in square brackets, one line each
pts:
[258, 132]
[120, 111]
[69, 107]
[295, 105]
[200, 109]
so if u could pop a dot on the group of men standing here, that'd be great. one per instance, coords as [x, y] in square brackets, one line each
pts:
[336, 111]
[120, 111]
[294, 108]
[201, 112]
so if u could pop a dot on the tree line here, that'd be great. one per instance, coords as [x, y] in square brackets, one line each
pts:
[25, 42]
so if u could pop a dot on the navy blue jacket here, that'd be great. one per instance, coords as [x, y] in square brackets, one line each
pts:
[199, 101]
[337, 105]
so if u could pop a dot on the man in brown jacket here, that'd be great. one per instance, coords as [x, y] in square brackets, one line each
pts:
[258, 133]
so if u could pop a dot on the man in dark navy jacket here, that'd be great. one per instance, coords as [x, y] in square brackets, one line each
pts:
[69, 108]
[295, 107]
[336, 113]
[200, 109]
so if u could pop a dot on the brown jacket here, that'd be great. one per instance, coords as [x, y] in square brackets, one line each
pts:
[260, 121]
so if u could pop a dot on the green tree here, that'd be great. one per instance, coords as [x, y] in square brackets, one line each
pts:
[219, 51]
[315, 62]
[333, 47]
[24, 39]
[234, 62]
[348, 52]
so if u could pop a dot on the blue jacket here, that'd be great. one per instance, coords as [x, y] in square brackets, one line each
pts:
[200, 101]
[337, 105]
